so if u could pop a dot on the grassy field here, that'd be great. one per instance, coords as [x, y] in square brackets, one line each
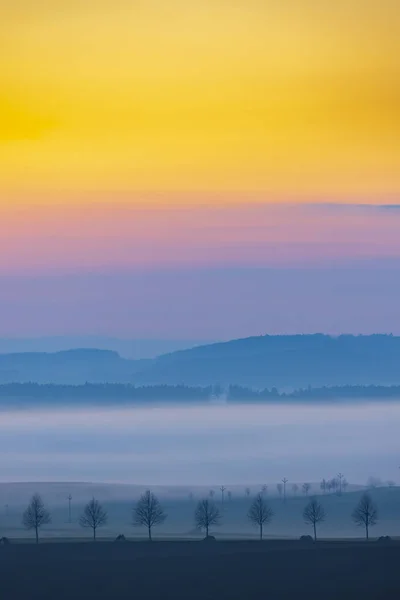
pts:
[118, 501]
[197, 570]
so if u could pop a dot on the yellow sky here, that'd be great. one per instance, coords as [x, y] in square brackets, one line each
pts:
[294, 98]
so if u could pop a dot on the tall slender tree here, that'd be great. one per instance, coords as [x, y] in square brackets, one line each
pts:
[36, 515]
[284, 481]
[313, 514]
[93, 516]
[206, 515]
[260, 513]
[148, 512]
[340, 478]
[222, 488]
[365, 513]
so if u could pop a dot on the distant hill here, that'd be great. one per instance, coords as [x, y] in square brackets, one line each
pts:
[282, 361]
[68, 367]
[134, 349]
[285, 362]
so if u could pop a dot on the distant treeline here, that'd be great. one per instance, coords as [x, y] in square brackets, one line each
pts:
[104, 392]
[318, 393]
[125, 393]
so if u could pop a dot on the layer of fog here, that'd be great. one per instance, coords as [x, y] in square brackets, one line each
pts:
[201, 445]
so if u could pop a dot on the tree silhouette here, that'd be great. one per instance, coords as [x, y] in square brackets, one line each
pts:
[247, 492]
[323, 485]
[306, 488]
[279, 487]
[148, 512]
[264, 489]
[222, 488]
[36, 515]
[295, 488]
[211, 493]
[313, 514]
[340, 478]
[93, 516]
[284, 481]
[334, 484]
[365, 513]
[260, 513]
[373, 482]
[206, 514]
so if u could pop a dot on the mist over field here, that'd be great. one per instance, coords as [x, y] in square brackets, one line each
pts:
[201, 445]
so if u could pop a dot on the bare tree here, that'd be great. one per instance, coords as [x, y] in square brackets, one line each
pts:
[365, 513]
[373, 482]
[284, 481]
[260, 513]
[222, 488]
[36, 515]
[323, 485]
[206, 514]
[264, 489]
[247, 492]
[340, 478]
[148, 512]
[211, 493]
[345, 484]
[329, 486]
[93, 516]
[279, 487]
[313, 514]
[69, 507]
[306, 488]
[295, 488]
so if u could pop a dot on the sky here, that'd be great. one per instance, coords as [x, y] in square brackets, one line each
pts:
[199, 170]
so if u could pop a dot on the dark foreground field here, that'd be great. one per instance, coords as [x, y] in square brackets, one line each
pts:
[198, 570]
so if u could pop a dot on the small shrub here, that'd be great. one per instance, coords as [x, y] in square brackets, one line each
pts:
[4, 541]
[307, 538]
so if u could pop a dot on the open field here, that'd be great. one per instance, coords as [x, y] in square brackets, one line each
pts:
[118, 500]
[198, 570]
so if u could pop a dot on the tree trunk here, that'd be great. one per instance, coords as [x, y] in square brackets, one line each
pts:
[315, 533]
[261, 531]
[366, 531]
[37, 534]
[150, 533]
[94, 534]
[206, 530]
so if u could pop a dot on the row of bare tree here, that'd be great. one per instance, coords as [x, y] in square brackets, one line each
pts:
[148, 512]
[336, 485]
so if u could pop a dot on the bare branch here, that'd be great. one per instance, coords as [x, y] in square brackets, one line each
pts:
[148, 512]
[36, 515]
[313, 514]
[260, 513]
[206, 514]
[93, 516]
[365, 513]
